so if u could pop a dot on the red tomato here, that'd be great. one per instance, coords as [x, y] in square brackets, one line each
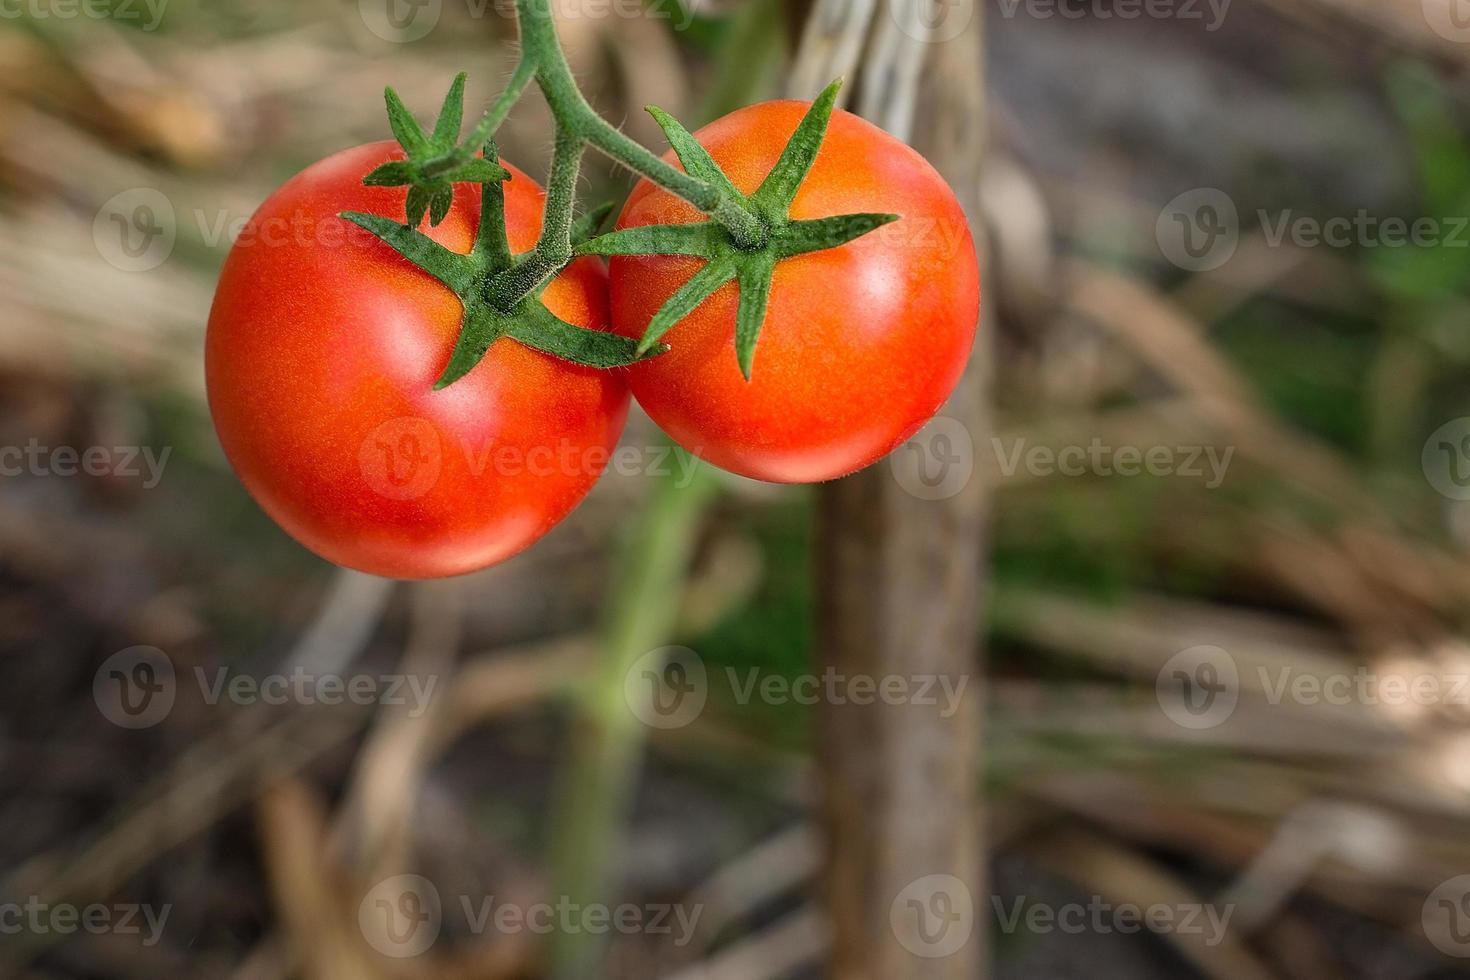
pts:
[323, 348]
[862, 343]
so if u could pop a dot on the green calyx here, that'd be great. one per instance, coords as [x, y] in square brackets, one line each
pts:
[489, 312]
[751, 265]
[436, 162]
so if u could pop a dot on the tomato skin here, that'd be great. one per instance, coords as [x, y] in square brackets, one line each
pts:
[320, 359]
[862, 344]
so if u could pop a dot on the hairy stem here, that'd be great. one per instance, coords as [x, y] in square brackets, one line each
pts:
[542, 48]
[554, 248]
[524, 74]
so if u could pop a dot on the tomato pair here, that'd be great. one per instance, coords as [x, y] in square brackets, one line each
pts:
[324, 346]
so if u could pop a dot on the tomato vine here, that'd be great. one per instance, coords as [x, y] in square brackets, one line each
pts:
[743, 240]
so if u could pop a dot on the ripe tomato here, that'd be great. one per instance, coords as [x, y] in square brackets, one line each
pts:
[323, 348]
[862, 343]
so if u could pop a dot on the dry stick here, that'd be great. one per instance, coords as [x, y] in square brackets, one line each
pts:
[899, 585]
[305, 886]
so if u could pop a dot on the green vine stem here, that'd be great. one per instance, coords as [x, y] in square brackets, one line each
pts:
[606, 739]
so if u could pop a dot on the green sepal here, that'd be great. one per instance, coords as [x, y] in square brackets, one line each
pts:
[435, 163]
[451, 115]
[533, 325]
[417, 205]
[394, 173]
[755, 278]
[454, 270]
[820, 234]
[482, 327]
[772, 200]
[695, 158]
[405, 127]
[687, 298]
[439, 204]
[539, 328]
[478, 171]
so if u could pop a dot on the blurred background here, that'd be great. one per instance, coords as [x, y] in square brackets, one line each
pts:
[1218, 422]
